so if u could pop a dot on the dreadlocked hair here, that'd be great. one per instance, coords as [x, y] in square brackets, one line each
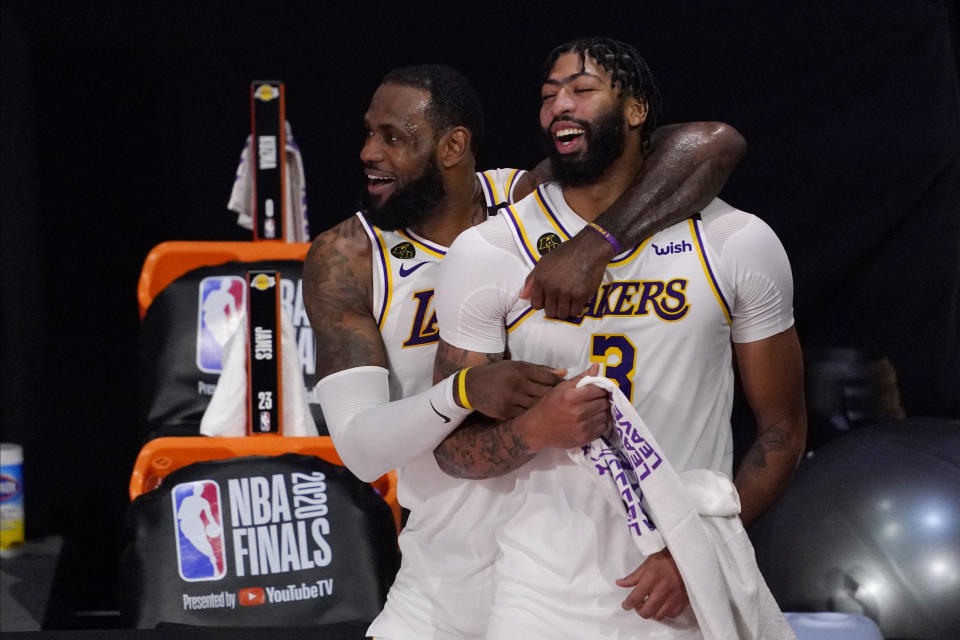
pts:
[628, 71]
[453, 100]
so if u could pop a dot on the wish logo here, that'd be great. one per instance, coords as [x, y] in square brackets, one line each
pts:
[222, 301]
[201, 554]
[673, 247]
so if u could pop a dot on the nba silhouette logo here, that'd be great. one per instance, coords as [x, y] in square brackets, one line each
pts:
[264, 421]
[222, 301]
[198, 520]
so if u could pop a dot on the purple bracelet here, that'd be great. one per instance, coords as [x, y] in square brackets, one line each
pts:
[606, 236]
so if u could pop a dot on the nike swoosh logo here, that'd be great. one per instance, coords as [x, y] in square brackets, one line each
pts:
[445, 418]
[404, 272]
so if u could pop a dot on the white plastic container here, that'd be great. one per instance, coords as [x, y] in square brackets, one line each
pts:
[11, 499]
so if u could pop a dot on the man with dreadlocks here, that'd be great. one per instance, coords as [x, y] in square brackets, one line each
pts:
[660, 327]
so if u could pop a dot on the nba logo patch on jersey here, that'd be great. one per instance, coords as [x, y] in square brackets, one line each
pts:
[198, 518]
[222, 301]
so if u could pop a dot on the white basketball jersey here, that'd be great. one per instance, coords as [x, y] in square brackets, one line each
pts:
[444, 586]
[660, 328]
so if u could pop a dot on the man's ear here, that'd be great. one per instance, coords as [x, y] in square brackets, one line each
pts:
[636, 112]
[453, 147]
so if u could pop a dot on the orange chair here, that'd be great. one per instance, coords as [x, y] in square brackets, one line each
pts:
[169, 260]
[162, 456]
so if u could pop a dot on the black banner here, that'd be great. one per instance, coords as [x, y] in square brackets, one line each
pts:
[267, 117]
[264, 353]
[289, 540]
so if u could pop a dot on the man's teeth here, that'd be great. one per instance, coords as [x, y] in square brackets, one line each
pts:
[566, 135]
[379, 179]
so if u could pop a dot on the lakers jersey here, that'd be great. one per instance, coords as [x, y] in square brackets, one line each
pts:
[447, 544]
[660, 326]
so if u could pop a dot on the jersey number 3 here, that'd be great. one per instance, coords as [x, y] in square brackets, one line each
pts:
[618, 358]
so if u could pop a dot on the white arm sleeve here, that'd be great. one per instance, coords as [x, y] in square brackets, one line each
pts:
[477, 284]
[372, 434]
[755, 264]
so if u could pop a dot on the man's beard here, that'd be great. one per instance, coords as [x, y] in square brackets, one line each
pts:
[408, 205]
[605, 143]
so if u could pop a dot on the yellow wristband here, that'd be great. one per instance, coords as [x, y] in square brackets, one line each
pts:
[462, 388]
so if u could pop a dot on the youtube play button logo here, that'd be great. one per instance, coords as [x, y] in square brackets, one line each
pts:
[251, 597]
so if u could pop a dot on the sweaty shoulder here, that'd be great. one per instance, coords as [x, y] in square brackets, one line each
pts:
[347, 238]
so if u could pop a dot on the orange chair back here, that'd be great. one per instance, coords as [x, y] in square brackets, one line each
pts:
[162, 456]
[169, 260]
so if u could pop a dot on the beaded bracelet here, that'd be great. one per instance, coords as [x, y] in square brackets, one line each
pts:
[606, 236]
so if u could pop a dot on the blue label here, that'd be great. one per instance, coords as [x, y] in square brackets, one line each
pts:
[11, 484]
[201, 549]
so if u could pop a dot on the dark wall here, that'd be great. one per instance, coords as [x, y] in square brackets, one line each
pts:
[122, 125]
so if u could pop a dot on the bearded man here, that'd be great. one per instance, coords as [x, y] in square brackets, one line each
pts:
[662, 326]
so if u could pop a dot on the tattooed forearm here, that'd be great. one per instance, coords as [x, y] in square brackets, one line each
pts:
[686, 169]
[450, 359]
[766, 470]
[482, 448]
[773, 439]
[340, 348]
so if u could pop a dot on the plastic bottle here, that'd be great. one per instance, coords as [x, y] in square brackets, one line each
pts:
[11, 499]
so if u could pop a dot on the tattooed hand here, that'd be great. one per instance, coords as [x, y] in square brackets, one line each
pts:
[565, 417]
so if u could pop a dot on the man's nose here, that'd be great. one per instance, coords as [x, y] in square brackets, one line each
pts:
[371, 151]
[563, 103]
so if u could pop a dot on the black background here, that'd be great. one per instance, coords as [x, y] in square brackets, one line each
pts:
[122, 124]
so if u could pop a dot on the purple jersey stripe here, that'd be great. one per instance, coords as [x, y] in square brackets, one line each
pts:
[550, 212]
[519, 318]
[511, 216]
[487, 189]
[381, 250]
[706, 261]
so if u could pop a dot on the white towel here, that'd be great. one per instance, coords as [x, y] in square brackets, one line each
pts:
[696, 515]
[296, 225]
[226, 415]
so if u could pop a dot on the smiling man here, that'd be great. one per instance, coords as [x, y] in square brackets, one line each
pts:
[660, 326]
[369, 292]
